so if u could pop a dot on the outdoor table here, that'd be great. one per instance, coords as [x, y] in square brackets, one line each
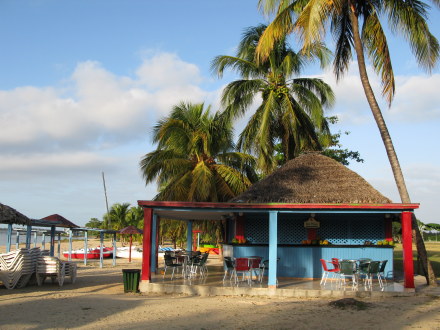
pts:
[187, 256]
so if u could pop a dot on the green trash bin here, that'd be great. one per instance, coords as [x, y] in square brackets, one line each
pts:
[131, 279]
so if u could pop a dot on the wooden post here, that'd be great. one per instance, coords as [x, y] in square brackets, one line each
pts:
[69, 258]
[17, 241]
[189, 235]
[153, 252]
[59, 245]
[146, 246]
[408, 266]
[129, 251]
[52, 241]
[156, 257]
[273, 249]
[9, 238]
[28, 237]
[86, 243]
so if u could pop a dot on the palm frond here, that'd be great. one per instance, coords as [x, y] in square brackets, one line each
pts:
[376, 44]
[409, 18]
[239, 95]
[310, 24]
[281, 26]
[342, 32]
[241, 66]
[202, 183]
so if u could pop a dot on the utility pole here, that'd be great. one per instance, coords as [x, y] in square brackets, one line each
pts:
[106, 201]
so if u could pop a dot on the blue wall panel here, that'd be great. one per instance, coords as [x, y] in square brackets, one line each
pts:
[303, 261]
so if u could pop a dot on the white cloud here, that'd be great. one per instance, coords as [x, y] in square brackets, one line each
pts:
[52, 163]
[96, 105]
[166, 70]
[416, 98]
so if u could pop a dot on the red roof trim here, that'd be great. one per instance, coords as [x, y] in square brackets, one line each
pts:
[273, 206]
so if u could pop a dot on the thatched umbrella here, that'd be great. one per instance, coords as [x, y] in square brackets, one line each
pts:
[59, 221]
[130, 230]
[9, 215]
[312, 178]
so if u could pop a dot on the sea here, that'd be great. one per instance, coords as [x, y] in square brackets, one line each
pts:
[4, 237]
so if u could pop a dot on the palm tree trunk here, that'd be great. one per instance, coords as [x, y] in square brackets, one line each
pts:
[389, 147]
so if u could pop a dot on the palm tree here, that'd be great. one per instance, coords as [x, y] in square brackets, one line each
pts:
[345, 17]
[117, 215]
[290, 109]
[194, 159]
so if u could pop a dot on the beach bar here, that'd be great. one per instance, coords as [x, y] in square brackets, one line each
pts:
[312, 208]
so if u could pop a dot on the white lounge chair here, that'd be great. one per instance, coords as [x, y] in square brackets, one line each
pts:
[50, 267]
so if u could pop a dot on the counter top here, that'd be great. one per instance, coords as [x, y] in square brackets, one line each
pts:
[319, 246]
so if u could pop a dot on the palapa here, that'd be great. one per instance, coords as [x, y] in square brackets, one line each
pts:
[59, 221]
[9, 215]
[312, 178]
[130, 230]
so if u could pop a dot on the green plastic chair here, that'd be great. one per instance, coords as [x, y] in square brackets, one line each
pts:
[373, 270]
[348, 269]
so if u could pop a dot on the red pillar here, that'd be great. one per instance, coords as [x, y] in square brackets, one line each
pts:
[408, 266]
[157, 244]
[146, 246]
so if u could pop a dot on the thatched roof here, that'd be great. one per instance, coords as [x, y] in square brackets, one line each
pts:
[59, 221]
[312, 178]
[9, 215]
[130, 230]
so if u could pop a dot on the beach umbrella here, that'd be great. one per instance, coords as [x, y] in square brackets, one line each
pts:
[9, 215]
[130, 230]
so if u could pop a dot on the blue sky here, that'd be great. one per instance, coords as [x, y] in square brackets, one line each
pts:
[82, 82]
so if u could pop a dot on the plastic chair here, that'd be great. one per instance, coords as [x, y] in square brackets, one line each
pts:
[373, 270]
[326, 271]
[199, 264]
[228, 266]
[335, 263]
[264, 265]
[348, 268]
[381, 273]
[254, 264]
[169, 263]
[242, 266]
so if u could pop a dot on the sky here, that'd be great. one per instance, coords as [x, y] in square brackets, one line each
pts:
[83, 82]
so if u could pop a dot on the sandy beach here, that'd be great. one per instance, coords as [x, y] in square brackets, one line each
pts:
[97, 300]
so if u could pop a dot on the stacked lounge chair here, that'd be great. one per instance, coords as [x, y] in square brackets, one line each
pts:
[17, 267]
[50, 267]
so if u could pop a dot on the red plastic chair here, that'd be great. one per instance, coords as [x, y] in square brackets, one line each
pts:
[254, 265]
[335, 263]
[242, 266]
[326, 271]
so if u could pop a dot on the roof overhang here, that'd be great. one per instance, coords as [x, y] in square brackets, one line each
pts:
[220, 211]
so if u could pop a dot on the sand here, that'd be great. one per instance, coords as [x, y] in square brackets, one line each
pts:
[97, 301]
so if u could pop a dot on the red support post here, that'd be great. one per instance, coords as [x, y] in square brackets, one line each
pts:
[157, 244]
[408, 265]
[146, 246]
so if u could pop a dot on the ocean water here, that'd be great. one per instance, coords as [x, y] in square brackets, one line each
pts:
[4, 239]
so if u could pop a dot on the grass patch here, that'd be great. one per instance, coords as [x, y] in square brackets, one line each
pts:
[433, 250]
